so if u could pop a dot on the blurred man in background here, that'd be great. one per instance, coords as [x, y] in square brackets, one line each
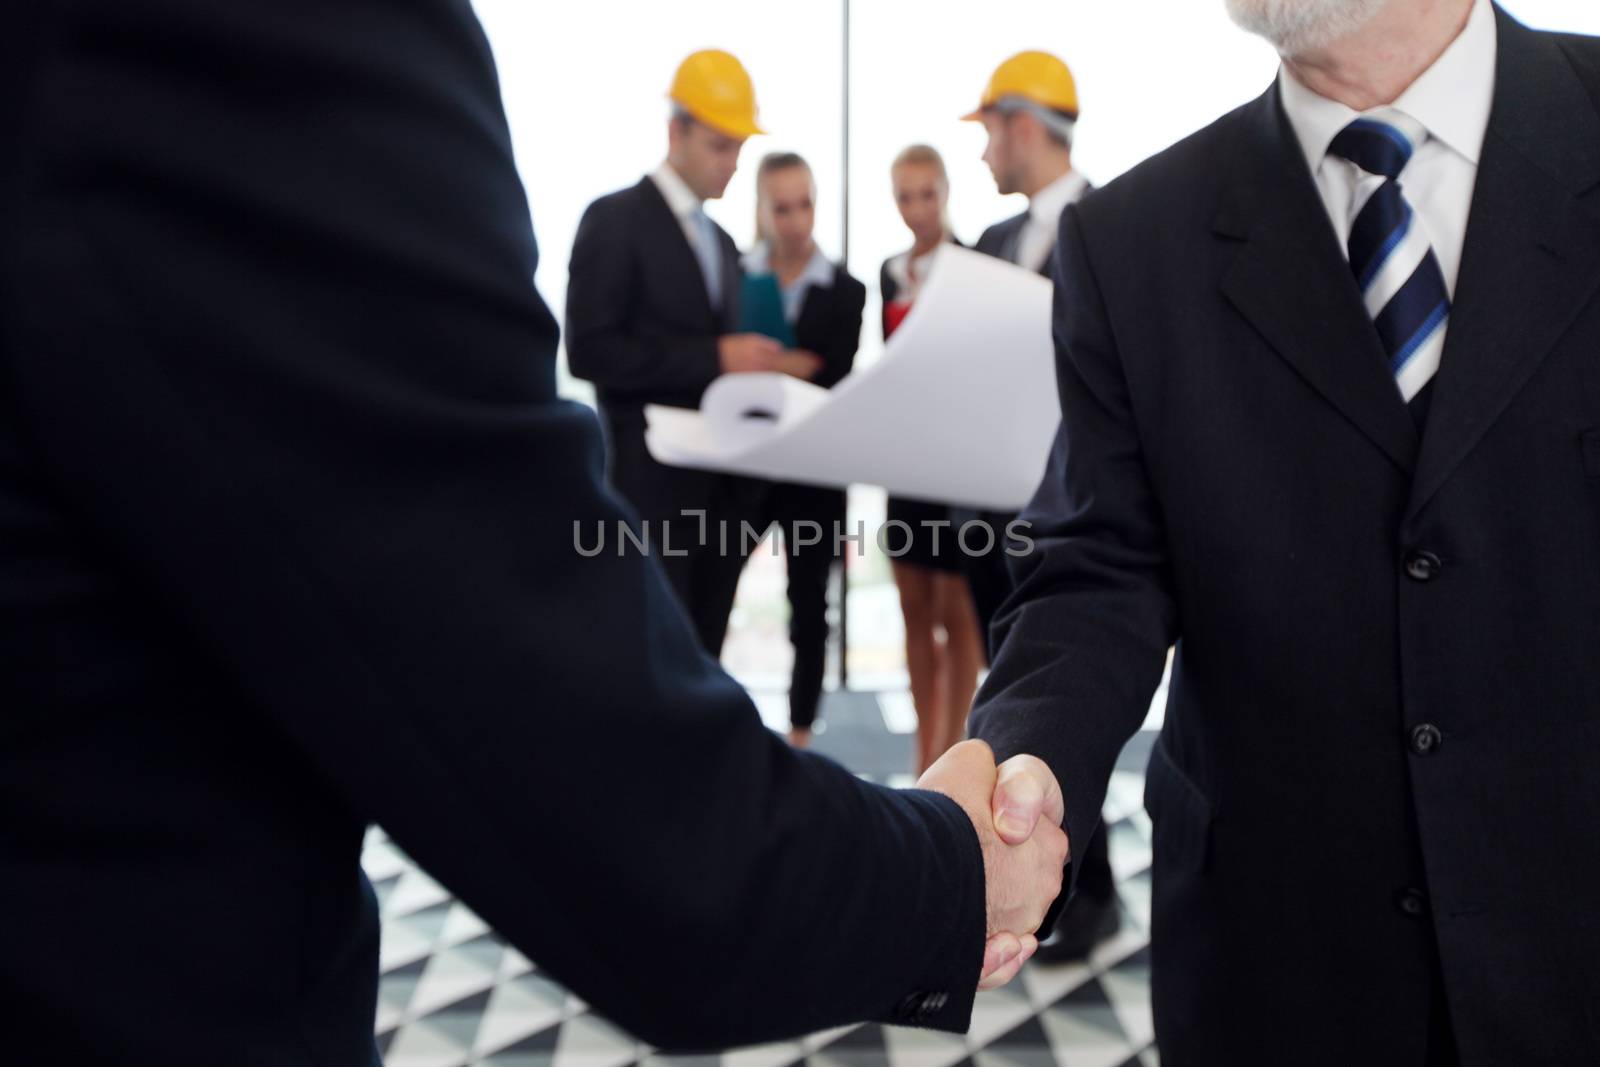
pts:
[652, 318]
[1029, 110]
[821, 305]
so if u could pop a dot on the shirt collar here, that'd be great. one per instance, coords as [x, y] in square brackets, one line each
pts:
[1451, 99]
[675, 191]
[1048, 203]
[900, 265]
[818, 270]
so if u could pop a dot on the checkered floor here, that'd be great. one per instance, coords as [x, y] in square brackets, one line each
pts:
[454, 994]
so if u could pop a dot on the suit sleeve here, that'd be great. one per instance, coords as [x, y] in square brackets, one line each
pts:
[320, 430]
[1082, 640]
[838, 351]
[604, 345]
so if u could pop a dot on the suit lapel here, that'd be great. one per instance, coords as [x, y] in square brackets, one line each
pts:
[732, 282]
[1532, 255]
[1011, 238]
[666, 232]
[814, 311]
[1047, 269]
[1000, 240]
[1291, 281]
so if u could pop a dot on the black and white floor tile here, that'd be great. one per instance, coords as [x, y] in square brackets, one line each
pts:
[454, 994]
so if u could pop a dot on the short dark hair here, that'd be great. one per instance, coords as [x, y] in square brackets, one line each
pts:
[1057, 122]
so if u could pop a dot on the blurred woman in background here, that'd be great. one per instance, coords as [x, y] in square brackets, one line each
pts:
[822, 308]
[944, 649]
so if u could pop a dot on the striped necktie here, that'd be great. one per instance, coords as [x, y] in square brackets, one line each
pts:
[1393, 261]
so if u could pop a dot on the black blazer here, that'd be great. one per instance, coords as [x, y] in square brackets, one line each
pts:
[1384, 707]
[287, 507]
[888, 288]
[830, 325]
[1000, 240]
[988, 573]
[640, 324]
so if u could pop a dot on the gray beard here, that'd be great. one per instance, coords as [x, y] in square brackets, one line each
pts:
[1298, 26]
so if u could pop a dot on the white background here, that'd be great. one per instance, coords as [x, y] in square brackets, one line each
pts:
[584, 89]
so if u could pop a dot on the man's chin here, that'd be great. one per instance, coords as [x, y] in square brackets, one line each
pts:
[1295, 27]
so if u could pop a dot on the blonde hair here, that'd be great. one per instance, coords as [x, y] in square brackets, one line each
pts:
[771, 163]
[925, 155]
[921, 154]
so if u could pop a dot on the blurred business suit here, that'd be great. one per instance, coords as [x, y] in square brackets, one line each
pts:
[821, 306]
[1028, 239]
[944, 646]
[829, 324]
[287, 507]
[1374, 797]
[900, 278]
[642, 327]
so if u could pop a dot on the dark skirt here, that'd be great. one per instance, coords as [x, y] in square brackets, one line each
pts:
[921, 552]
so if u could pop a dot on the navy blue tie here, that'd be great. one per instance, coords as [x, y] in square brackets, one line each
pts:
[1401, 283]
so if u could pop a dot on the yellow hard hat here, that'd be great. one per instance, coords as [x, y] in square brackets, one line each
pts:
[1036, 76]
[714, 87]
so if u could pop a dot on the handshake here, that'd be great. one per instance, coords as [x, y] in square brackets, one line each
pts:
[1017, 810]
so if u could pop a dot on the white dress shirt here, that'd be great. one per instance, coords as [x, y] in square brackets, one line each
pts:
[1451, 100]
[908, 274]
[681, 199]
[1038, 237]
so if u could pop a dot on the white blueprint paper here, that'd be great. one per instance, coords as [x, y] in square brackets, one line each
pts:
[960, 408]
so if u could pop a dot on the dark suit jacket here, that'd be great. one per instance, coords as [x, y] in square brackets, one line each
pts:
[888, 288]
[989, 574]
[1000, 240]
[287, 507]
[830, 325]
[640, 325]
[642, 328]
[1236, 473]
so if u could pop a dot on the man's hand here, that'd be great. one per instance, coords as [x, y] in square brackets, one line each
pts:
[1025, 792]
[1022, 871]
[798, 363]
[742, 353]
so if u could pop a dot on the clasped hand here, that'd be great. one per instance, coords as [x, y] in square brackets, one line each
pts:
[1017, 811]
[744, 353]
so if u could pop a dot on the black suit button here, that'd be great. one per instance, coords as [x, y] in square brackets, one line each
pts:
[1412, 903]
[1426, 739]
[1423, 566]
